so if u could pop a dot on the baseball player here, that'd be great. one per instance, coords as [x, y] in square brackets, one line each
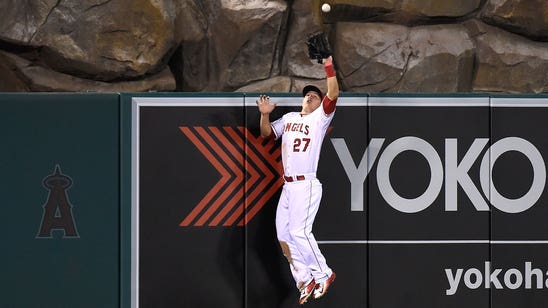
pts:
[302, 135]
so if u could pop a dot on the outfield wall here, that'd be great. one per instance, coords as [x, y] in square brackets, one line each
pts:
[429, 201]
[60, 200]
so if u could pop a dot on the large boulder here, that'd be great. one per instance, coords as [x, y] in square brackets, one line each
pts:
[259, 57]
[21, 19]
[102, 39]
[371, 57]
[441, 61]
[508, 62]
[525, 17]
[37, 78]
[243, 41]
[392, 58]
[106, 39]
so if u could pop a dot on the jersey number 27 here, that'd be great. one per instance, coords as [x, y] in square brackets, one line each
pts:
[301, 143]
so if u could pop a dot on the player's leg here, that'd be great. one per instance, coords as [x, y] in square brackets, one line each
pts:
[304, 205]
[299, 270]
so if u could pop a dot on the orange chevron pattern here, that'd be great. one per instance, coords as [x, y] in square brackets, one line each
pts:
[250, 168]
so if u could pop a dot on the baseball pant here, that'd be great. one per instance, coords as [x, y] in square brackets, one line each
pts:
[297, 208]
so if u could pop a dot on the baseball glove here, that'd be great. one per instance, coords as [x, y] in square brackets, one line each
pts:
[318, 47]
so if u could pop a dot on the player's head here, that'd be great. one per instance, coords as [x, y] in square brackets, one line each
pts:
[312, 98]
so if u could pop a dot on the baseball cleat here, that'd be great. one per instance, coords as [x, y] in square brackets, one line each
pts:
[306, 291]
[322, 287]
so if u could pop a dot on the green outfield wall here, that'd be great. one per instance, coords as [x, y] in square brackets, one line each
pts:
[60, 182]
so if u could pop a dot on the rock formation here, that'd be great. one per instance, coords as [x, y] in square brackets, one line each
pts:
[395, 46]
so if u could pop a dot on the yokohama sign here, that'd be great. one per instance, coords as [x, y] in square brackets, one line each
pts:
[454, 173]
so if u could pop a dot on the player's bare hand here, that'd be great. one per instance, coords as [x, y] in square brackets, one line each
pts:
[328, 60]
[265, 107]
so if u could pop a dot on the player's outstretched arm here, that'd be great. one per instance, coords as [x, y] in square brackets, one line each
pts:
[265, 108]
[332, 85]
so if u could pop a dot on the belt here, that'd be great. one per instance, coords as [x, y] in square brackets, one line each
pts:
[294, 178]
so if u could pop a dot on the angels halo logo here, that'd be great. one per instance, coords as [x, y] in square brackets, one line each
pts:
[57, 210]
[250, 170]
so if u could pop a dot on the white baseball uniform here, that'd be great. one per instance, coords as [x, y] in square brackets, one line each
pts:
[302, 138]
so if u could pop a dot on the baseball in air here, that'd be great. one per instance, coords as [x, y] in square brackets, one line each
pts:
[326, 8]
